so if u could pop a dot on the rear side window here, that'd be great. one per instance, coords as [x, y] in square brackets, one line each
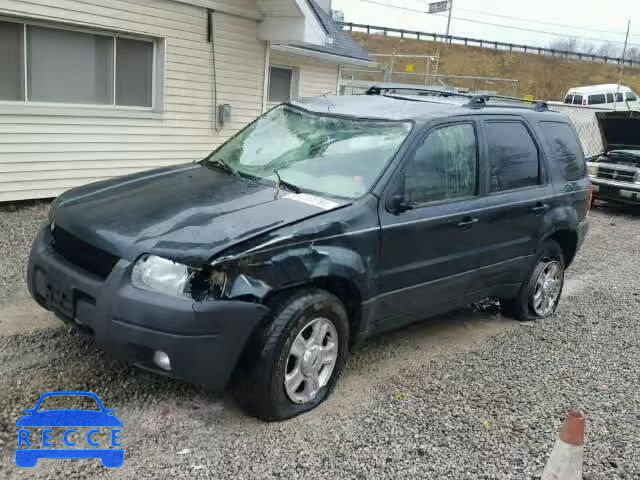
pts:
[577, 100]
[619, 97]
[568, 99]
[565, 149]
[631, 97]
[597, 99]
[444, 166]
[609, 97]
[513, 156]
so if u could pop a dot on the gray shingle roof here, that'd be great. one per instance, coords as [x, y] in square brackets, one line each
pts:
[343, 45]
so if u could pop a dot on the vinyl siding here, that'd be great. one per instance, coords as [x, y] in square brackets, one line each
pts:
[47, 149]
[315, 77]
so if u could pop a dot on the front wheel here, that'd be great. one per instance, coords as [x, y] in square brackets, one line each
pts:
[294, 363]
[539, 295]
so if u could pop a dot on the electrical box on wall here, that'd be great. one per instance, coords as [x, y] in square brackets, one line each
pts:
[224, 113]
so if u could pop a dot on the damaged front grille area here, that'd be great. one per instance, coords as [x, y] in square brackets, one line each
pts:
[82, 254]
[610, 173]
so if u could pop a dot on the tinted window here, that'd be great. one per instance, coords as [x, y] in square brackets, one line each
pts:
[577, 100]
[568, 99]
[565, 149]
[597, 99]
[609, 97]
[513, 156]
[619, 97]
[444, 166]
[631, 97]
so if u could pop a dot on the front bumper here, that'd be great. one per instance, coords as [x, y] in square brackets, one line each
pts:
[203, 340]
[611, 190]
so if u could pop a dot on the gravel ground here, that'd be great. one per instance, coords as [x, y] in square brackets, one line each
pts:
[19, 223]
[469, 395]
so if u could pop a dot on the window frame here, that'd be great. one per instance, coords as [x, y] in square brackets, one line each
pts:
[156, 102]
[543, 168]
[398, 182]
[294, 87]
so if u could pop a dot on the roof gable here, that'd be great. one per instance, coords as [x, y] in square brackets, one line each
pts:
[343, 45]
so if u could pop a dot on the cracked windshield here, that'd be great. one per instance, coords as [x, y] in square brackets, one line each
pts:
[331, 155]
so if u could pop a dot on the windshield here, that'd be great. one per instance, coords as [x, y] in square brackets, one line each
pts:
[332, 155]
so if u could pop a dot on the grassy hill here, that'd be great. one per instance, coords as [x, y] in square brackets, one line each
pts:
[541, 76]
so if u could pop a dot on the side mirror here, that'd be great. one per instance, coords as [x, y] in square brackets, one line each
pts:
[398, 204]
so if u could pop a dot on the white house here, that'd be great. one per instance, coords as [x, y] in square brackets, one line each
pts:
[90, 89]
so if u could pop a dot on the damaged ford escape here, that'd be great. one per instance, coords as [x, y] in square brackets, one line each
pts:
[318, 225]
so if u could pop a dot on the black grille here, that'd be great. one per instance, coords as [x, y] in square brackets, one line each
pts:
[82, 254]
[617, 175]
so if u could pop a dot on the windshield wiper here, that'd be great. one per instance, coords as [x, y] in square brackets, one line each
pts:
[282, 183]
[223, 165]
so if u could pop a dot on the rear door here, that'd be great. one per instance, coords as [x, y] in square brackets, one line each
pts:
[519, 194]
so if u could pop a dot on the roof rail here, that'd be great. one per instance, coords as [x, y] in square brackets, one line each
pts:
[382, 88]
[475, 101]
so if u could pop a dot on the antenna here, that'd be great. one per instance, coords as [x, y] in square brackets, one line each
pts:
[624, 52]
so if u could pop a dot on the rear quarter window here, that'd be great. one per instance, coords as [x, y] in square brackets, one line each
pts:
[597, 99]
[565, 149]
[577, 100]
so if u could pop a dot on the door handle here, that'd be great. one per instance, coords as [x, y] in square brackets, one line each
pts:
[467, 222]
[540, 208]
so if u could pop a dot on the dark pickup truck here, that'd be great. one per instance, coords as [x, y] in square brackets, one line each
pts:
[316, 226]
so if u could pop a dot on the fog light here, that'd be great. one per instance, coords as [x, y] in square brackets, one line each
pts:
[161, 359]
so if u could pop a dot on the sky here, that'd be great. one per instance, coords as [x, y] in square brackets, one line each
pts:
[514, 21]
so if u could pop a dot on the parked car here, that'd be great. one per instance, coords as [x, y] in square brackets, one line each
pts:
[606, 96]
[615, 174]
[316, 226]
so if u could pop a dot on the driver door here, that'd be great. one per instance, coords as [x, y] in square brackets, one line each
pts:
[429, 246]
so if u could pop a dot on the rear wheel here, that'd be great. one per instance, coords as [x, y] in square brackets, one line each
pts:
[294, 363]
[539, 295]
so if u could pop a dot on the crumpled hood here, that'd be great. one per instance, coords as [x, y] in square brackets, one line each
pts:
[620, 130]
[188, 213]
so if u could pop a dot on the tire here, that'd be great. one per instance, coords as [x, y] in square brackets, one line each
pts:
[260, 384]
[522, 306]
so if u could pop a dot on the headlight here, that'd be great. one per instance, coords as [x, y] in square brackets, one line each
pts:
[161, 275]
[592, 169]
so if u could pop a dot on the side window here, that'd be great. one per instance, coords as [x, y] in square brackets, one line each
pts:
[565, 149]
[609, 97]
[619, 97]
[445, 166]
[597, 99]
[513, 156]
[577, 100]
[568, 99]
[631, 97]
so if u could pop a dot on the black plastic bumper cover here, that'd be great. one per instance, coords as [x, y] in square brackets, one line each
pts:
[203, 340]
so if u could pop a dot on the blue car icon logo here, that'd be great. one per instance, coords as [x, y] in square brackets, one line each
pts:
[80, 428]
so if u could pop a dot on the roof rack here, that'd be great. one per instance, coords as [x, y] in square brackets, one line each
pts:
[475, 101]
[382, 88]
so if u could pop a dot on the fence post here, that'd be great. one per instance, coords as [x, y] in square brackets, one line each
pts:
[418, 33]
[368, 29]
[384, 31]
